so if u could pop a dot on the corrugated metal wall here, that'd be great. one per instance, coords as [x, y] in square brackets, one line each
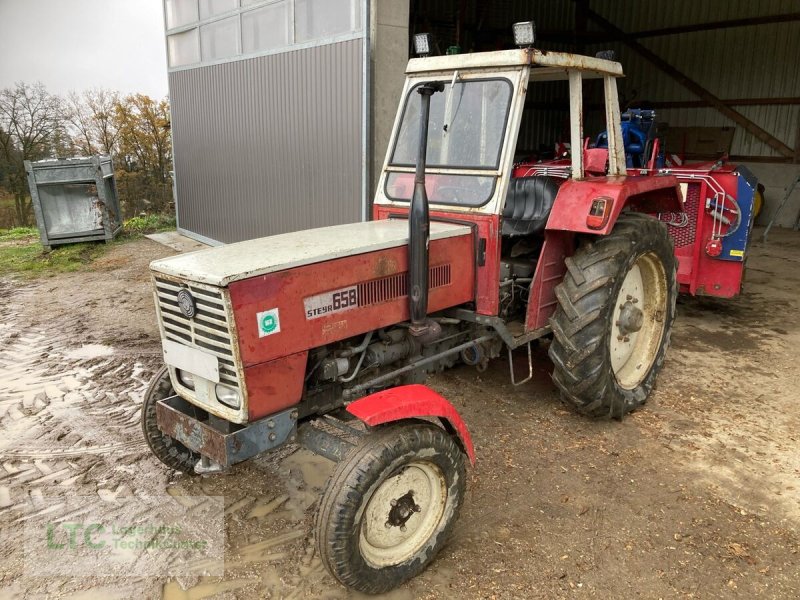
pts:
[269, 144]
[742, 62]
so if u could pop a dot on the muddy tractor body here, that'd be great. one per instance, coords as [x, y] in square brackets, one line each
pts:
[327, 336]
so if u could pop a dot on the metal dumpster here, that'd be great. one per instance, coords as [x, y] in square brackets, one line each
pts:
[74, 199]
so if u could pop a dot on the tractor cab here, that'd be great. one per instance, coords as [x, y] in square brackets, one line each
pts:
[525, 219]
[473, 128]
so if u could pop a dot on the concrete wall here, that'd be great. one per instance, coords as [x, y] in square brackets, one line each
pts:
[389, 56]
[775, 179]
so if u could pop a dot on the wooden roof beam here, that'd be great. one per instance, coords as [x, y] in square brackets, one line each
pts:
[694, 87]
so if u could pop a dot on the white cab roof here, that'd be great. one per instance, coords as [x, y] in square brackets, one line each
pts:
[221, 265]
[514, 58]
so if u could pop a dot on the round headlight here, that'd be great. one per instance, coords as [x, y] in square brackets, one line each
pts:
[227, 395]
[186, 378]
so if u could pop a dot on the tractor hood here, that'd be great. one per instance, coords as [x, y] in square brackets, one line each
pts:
[224, 264]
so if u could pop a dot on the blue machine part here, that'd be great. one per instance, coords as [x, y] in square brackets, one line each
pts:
[638, 134]
[734, 246]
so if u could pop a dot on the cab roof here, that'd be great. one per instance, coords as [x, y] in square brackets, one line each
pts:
[546, 65]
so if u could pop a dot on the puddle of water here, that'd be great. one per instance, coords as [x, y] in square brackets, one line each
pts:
[173, 591]
[89, 351]
[308, 476]
[393, 595]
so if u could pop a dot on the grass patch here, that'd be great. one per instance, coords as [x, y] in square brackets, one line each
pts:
[149, 224]
[22, 254]
[28, 258]
[18, 233]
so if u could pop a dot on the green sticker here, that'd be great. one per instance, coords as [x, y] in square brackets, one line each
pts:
[269, 322]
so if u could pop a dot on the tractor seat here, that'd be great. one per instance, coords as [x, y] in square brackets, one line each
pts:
[528, 204]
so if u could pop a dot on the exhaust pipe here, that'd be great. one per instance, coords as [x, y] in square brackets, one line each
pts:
[419, 226]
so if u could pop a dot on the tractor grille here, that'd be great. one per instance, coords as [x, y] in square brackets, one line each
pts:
[208, 330]
[395, 286]
[684, 236]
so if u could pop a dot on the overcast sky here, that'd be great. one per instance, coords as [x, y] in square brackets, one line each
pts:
[80, 44]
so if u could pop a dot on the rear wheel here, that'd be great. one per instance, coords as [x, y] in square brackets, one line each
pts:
[169, 451]
[615, 311]
[390, 506]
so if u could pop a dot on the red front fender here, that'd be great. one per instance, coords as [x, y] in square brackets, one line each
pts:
[408, 401]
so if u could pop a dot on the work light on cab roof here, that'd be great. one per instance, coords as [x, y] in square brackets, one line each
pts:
[422, 44]
[524, 34]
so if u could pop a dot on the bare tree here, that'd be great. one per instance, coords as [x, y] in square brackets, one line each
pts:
[90, 115]
[133, 129]
[30, 129]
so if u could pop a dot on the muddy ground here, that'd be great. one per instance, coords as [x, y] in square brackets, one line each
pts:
[697, 495]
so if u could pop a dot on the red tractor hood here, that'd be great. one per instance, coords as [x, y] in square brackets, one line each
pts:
[225, 264]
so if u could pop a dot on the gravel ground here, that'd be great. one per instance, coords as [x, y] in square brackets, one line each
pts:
[697, 495]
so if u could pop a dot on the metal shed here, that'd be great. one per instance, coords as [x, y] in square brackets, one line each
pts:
[281, 109]
[268, 103]
[74, 200]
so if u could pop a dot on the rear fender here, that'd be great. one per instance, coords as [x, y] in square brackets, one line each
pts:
[409, 401]
[641, 193]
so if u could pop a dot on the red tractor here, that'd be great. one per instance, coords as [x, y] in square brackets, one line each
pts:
[327, 336]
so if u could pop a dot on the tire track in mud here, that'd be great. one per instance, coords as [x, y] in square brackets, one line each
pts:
[69, 428]
[68, 420]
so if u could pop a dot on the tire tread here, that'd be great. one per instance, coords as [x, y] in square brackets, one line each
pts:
[582, 370]
[335, 524]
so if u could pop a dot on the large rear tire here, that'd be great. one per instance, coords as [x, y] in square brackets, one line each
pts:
[390, 506]
[615, 311]
[169, 451]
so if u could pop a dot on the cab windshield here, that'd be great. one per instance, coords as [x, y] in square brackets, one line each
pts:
[465, 133]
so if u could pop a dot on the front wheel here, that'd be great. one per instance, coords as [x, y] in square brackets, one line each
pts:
[390, 506]
[169, 451]
[615, 311]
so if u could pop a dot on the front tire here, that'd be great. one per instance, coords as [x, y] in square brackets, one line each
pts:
[169, 451]
[390, 506]
[612, 326]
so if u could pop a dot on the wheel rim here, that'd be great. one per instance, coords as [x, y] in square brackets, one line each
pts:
[402, 514]
[637, 325]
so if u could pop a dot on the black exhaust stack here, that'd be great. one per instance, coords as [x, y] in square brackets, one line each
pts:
[419, 225]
